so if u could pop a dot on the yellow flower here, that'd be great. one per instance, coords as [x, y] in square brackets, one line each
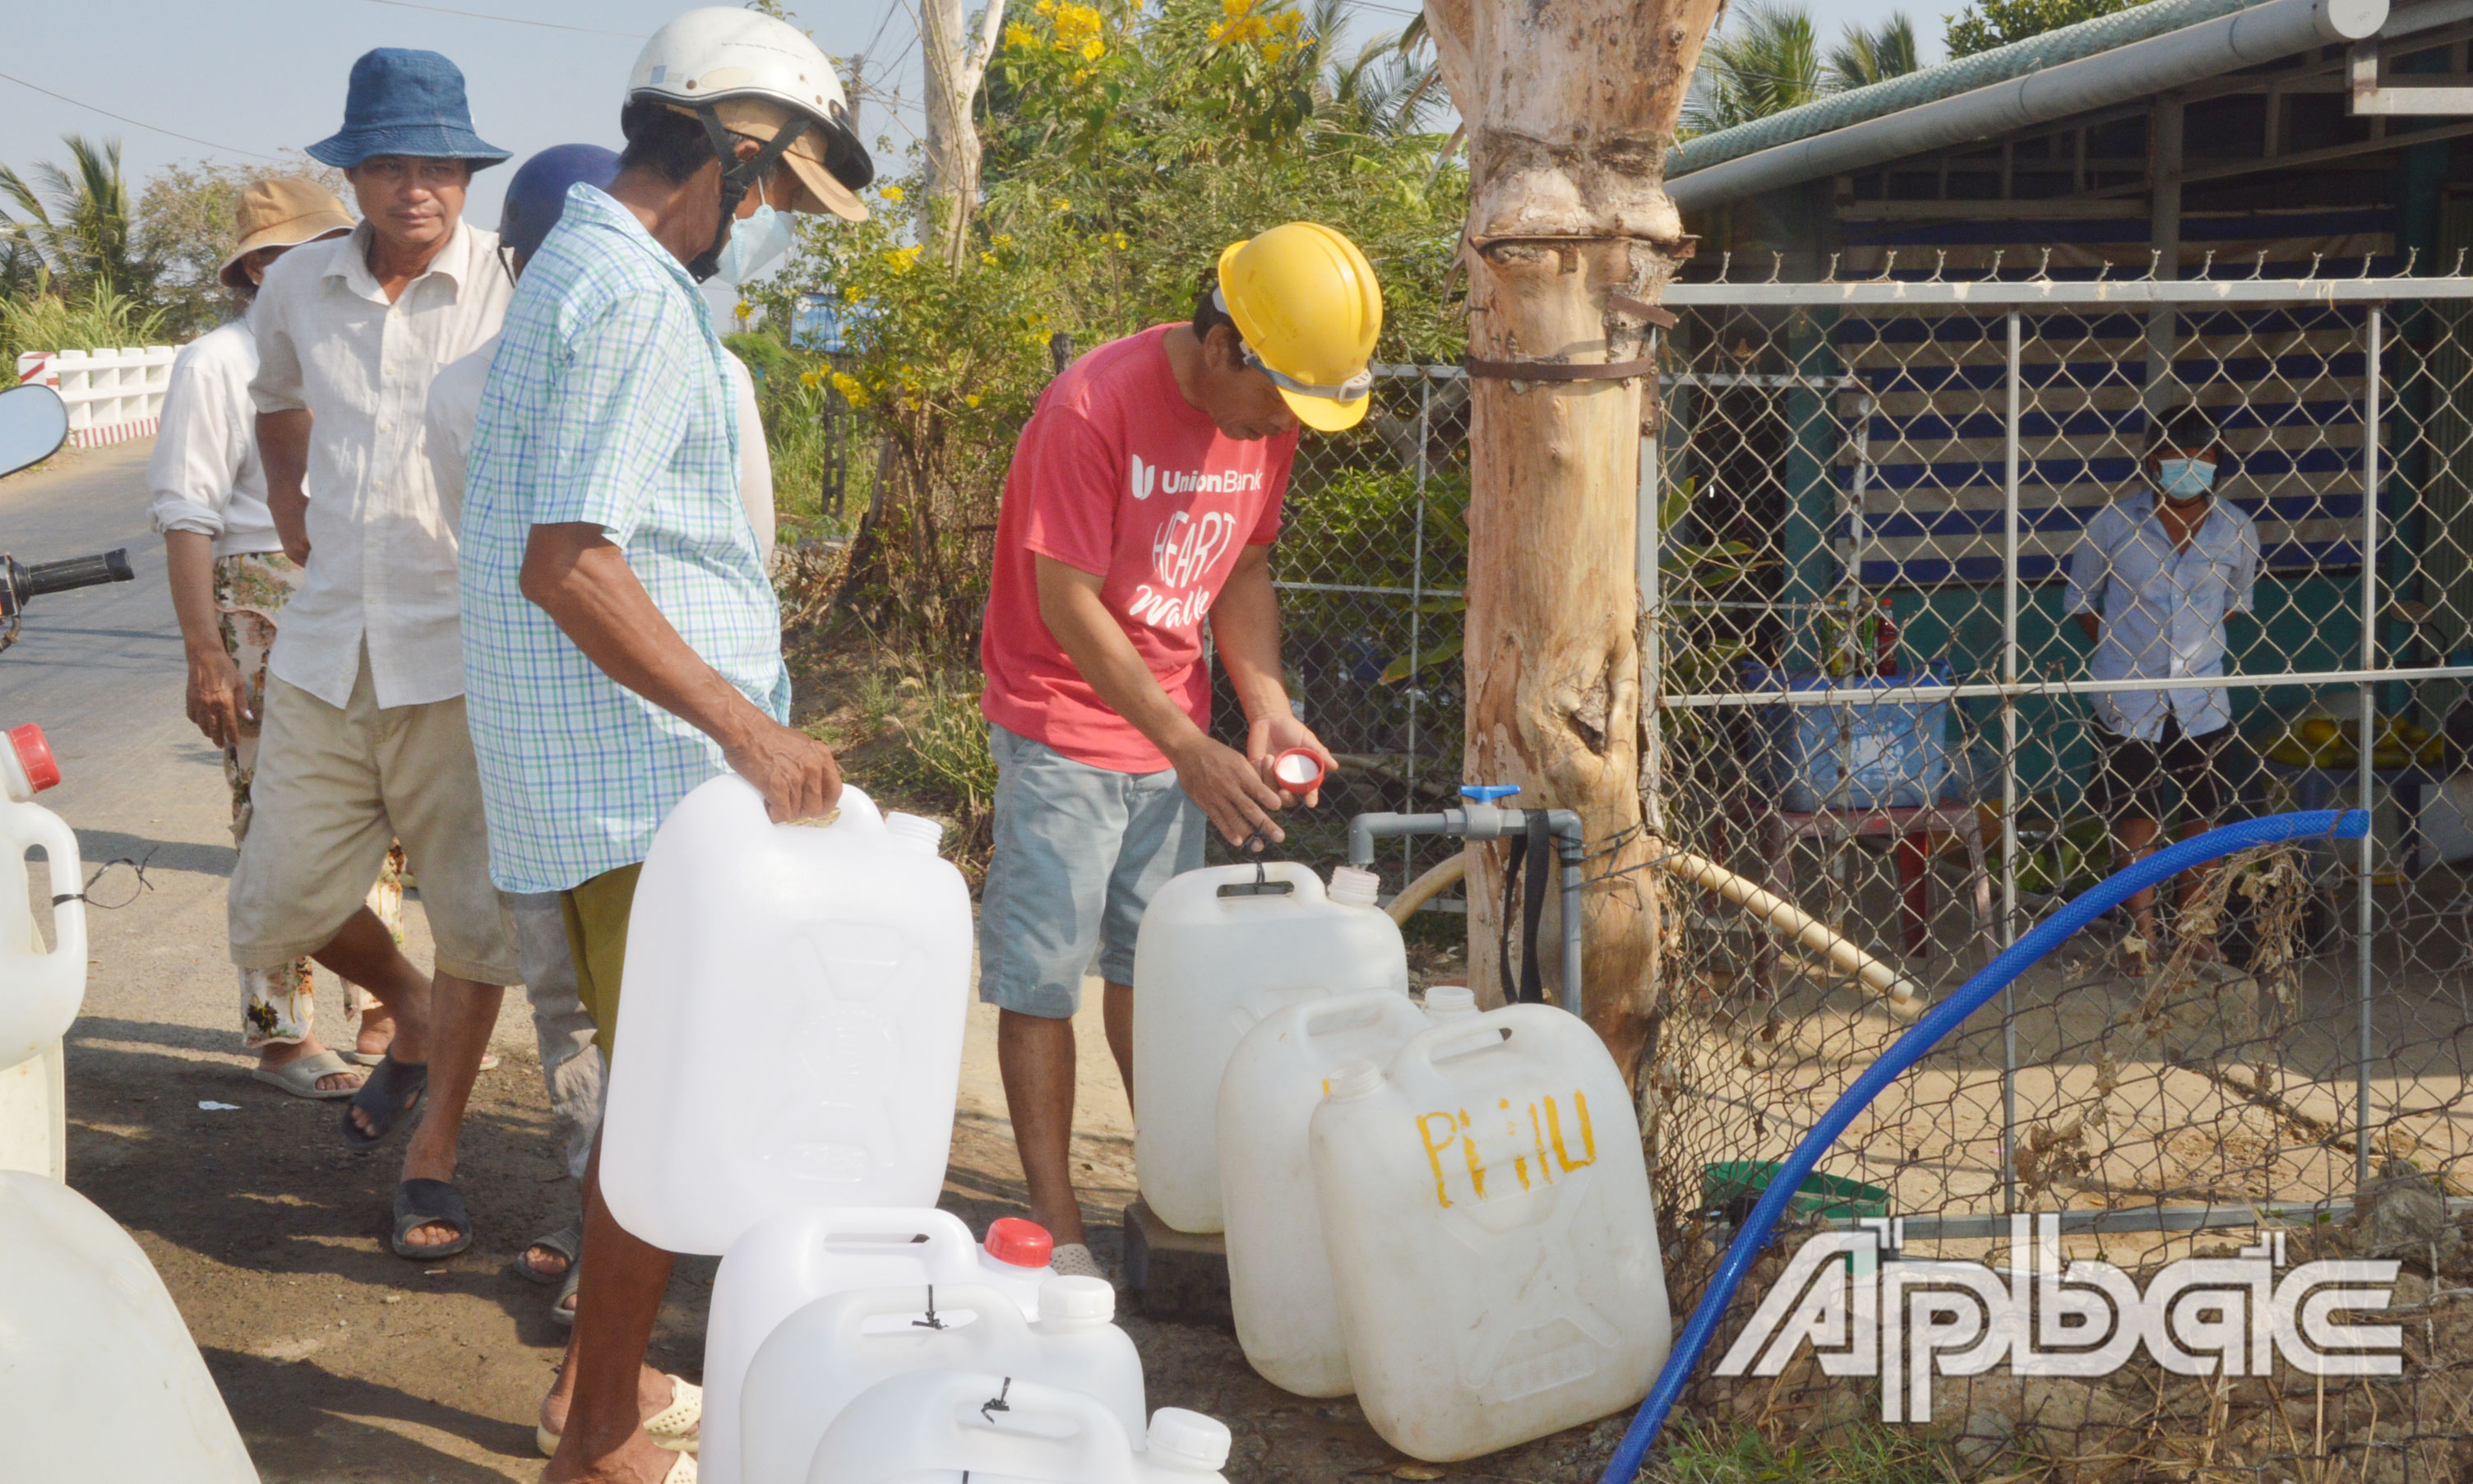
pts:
[1231, 8]
[1061, 204]
[1002, 239]
[1121, 243]
[988, 259]
[1046, 7]
[1091, 49]
[971, 400]
[1287, 23]
[810, 378]
[744, 311]
[1019, 36]
[1271, 52]
[900, 259]
[890, 193]
[1216, 30]
[849, 296]
[852, 389]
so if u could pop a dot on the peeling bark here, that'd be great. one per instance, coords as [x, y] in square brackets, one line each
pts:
[1569, 111]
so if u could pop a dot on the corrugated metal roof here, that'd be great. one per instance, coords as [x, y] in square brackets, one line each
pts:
[1948, 80]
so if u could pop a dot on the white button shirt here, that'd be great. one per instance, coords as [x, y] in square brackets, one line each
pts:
[2161, 613]
[204, 474]
[455, 407]
[381, 547]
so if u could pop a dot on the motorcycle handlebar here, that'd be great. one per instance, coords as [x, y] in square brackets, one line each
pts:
[110, 566]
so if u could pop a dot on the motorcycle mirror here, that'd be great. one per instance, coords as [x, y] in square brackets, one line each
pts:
[34, 423]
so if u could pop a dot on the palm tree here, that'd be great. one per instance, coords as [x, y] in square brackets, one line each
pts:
[1861, 57]
[1767, 63]
[78, 225]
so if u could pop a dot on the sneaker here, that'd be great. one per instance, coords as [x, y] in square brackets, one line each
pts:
[1073, 1259]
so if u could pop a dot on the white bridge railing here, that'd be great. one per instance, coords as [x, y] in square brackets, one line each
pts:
[112, 396]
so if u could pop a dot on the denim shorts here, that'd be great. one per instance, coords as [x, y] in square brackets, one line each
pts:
[1078, 853]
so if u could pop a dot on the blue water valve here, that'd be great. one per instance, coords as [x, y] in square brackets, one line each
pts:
[1488, 793]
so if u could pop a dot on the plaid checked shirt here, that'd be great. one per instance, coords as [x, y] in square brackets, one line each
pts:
[607, 403]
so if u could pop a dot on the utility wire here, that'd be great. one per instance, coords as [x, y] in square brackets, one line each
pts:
[512, 20]
[133, 122]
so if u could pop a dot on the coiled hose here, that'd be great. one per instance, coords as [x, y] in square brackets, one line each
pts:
[1910, 1049]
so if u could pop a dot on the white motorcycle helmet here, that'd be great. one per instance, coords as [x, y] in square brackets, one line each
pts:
[740, 72]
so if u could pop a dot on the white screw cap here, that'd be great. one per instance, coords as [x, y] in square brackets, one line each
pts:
[1352, 886]
[1354, 1078]
[917, 831]
[1450, 1001]
[1187, 1440]
[1076, 1301]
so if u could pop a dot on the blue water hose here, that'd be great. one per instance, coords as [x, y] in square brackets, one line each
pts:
[1910, 1049]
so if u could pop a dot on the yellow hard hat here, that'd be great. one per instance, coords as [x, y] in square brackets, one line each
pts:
[1307, 308]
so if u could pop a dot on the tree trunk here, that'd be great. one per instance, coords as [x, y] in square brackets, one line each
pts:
[1569, 111]
[955, 62]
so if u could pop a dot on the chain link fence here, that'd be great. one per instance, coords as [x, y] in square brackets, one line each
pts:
[1370, 562]
[1882, 507]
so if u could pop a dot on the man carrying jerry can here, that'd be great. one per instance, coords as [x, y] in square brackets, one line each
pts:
[1144, 495]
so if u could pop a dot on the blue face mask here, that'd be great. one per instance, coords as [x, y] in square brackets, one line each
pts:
[2184, 479]
[755, 241]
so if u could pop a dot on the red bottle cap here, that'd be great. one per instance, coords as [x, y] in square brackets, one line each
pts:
[35, 755]
[1298, 770]
[1019, 1243]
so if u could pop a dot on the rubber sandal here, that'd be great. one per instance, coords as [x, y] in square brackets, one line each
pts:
[562, 1312]
[394, 1089]
[673, 1427]
[300, 1076]
[566, 1241]
[429, 1203]
[489, 1059]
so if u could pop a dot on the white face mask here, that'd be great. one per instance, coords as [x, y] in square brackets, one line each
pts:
[756, 242]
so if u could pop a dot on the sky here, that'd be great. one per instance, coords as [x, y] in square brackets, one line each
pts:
[252, 76]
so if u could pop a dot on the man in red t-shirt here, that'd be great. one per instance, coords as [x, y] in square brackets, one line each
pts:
[1143, 496]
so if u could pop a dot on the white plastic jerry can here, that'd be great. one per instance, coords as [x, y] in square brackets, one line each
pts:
[932, 1426]
[846, 949]
[1220, 948]
[822, 1358]
[39, 991]
[1278, 1280]
[785, 1262]
[99, 1378]
[1492, 1241]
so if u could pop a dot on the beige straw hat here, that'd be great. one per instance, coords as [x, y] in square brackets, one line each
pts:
[816, 191]
[280, 211]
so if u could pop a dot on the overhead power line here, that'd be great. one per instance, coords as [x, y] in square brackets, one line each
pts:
[135, 123]
[512, 20]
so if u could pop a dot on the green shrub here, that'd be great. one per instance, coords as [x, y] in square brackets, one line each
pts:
[96, 320]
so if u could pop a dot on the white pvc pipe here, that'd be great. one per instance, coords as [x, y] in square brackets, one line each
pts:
[2264, 32]
[1905, 996]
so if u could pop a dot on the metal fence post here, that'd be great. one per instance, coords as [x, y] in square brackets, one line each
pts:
[1416, 615]
[2009, 776]
[2373, 329]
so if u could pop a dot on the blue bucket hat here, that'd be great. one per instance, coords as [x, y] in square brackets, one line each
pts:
[405, 102]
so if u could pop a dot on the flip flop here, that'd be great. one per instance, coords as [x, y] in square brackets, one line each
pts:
[566, 1241]
[394, 1089]
[489, 1059]
[561, 1312]
[425, 1203]
[300, 1076]
[673, 1427]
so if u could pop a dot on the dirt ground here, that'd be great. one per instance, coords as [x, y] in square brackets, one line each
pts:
[340, 1362]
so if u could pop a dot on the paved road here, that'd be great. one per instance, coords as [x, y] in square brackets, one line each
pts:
[338, 1362]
